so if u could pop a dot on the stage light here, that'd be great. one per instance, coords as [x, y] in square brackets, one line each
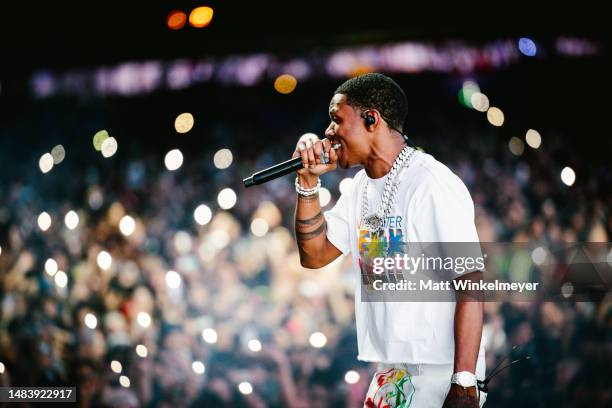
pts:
[173, 279]
[143, 319]
[345, 185]
[109, 147]
[51, 266]
[223, 159]
[182, 242]
[538, 256]
[71, 220]
[91, 321]
[198, 367]
[173, 159]
[468, 89]
[141, 351]
[58, 153]
[127, 225]
[495, 116]
[176, 19]
[568, 176]
[116, 366]
[45, 163]
[124, 381]
[533, 138]
[226, 198]
[201, 16]
[99, 138]
[183, 122]
[516, 146]
[61, 279]
[44, 221]
[527, 46]
[245, 388]
[480, 102]
[210, 335]
[104, 260]
[285, 84]
[324, 196]
[254, 345]
[351, 377]
[202, 214]
[259, 227]
[317, 340]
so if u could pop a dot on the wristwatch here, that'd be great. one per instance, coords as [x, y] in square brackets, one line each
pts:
[464, 379]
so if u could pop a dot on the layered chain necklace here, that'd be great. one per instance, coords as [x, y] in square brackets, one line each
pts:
[374, 222]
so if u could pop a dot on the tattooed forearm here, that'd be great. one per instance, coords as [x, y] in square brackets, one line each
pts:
[308, 199]
[305, 236]
[312, 220]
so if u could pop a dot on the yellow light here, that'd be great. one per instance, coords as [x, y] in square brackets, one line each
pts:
[285, 84]
[533, 138]
[259, 227]
[176, 20]
[495, 116]
[99, 138]
[516, 146]
[223, 159]
[142, 351]
[45, 163]
[124, 381]
[183, 122]
[201, 16]
[116, 366]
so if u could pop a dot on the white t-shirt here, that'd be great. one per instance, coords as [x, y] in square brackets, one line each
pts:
[432, 205]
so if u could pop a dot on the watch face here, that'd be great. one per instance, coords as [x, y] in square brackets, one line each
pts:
[465, 379]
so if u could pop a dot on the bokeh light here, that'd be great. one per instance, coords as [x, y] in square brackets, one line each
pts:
[324, 196]
[480, 101]
[245, 388]
[210, 335]
[254, 345]
[176, 19]
[495, 116]
[198, 367]
[226, 198]
[183, 122]
[468, 89]
[173, 159]
[568, 176]
[104, 260]
[173, 279]
[127, 225]
[527, 46]
[116, 366]
[351, 377]
[285, 84]
[143, 319]
[516, 146]
[345, 185]
[45, 163]
[533, 138]
[109, 147]
[44, 221]
[259, 227]
[142, 351]
[317, 340]
[51, 266]
[71, 220]
[58, 153]
[223, 159]
[2, 367]
[124, 381]
[61, 279]
[91, 321]
[539, 255]
[201, 16]
[99, 138]
[202, 214]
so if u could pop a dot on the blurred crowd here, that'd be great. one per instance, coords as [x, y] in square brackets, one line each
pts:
[239, 322]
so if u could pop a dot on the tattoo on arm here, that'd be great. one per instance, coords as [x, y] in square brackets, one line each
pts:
[305, 236]
[312, 220]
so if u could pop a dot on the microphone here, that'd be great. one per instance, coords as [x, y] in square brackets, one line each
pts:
[280, 169]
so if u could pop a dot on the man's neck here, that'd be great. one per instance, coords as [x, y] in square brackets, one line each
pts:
[382, 156]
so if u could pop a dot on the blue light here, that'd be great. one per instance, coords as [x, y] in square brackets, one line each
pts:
[527, 46]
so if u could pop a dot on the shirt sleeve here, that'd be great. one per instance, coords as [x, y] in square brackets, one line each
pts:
[338, 225]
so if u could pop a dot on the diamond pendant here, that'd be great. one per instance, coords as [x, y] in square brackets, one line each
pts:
[373, 223]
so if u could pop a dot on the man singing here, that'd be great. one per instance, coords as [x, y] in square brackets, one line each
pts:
[429, 354]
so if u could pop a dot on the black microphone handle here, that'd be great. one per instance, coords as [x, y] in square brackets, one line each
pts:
[276, 171]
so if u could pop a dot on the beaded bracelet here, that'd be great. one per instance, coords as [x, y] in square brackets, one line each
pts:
[307, 192]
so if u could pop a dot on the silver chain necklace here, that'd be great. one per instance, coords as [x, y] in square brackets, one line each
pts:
[374, 222]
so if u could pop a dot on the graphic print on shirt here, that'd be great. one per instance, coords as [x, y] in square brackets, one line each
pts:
[373, 245]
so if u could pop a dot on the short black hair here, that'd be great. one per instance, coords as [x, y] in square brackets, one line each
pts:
[377, 91]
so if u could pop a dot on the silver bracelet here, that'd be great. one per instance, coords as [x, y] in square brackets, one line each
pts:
[307, 192]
